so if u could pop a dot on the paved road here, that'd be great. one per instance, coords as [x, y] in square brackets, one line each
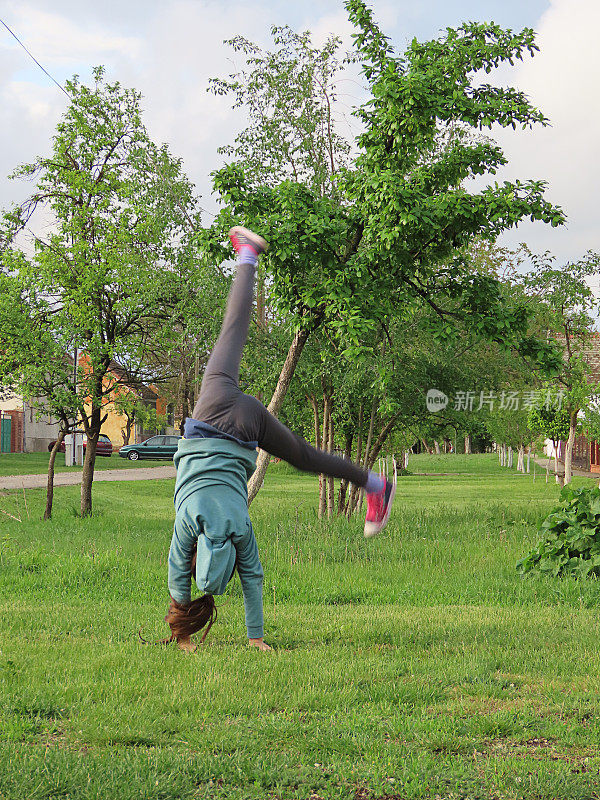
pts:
[580, 473]
[74, 478]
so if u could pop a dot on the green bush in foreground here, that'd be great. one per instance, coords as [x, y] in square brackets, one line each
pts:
[571, 544]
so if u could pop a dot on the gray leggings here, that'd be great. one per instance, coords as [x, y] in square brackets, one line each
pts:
[223, 405]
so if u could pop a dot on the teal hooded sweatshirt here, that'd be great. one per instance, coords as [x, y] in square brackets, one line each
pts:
[211, 510]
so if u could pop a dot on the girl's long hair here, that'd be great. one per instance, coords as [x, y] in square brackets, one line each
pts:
[187, 619]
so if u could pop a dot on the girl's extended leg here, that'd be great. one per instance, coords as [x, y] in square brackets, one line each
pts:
[279, 441]
[220, 391]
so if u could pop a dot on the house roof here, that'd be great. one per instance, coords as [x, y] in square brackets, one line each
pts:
[144, 391]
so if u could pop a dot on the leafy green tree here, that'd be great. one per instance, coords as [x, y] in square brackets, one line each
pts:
[392, 228]
[551, 419]
[35, 364]
[136, 412]
[510, 426]
[570, 312]
[105, 276]
[289, 95]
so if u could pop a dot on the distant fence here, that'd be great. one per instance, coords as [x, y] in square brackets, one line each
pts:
[5, 432]
[11, 432]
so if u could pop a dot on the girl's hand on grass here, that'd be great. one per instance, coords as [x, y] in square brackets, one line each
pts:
[186, 644]
[260, 644]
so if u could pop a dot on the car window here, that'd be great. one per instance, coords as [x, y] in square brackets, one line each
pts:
[157, 441]
[172, 440]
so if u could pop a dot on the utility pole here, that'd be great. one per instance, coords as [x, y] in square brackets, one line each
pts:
[74, 453]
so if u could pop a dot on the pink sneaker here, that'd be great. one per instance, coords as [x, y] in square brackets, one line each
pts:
[379, 505]
[243, 237]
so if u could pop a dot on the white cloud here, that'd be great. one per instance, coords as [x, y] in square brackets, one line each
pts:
[562, 80]
[59, 39]
[169, 48]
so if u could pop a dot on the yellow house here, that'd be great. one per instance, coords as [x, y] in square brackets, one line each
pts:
[116, 385]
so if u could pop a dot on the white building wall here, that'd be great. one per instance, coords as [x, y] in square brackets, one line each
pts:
[10, 401]
[39, 428]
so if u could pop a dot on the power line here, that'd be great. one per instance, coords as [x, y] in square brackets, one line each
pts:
[35, 59]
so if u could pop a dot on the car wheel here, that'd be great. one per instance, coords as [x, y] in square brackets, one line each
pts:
[133, 456]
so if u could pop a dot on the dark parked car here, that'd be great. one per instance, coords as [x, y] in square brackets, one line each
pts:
[154, 447]
[103, 448]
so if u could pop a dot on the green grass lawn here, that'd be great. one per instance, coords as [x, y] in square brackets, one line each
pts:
[37, 463]
[414, 665]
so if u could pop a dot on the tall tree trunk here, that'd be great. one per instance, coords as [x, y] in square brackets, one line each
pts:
[370, 433]
[468, 444]
[185, 410]
[89, 462]
[353, 494]
[317, 426]
[569, 448]
[436, 445]
[261, 307]
[428, 448]
[316, 420]
[128, 425]
[381, 439]
[359, 435]
[323, 486]
[330, 480]
[187, 401]
[341, 505]
[521, 459]
[283, 384]
[50, 484]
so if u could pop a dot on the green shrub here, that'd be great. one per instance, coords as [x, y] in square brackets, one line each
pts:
[571, 543]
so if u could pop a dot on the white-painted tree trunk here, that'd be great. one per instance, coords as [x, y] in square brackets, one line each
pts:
[557, 477]
[569, 448]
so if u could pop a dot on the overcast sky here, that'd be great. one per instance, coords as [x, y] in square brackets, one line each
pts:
[169, 48]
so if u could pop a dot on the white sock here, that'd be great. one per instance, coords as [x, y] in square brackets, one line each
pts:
[375, 483]
[248, 255]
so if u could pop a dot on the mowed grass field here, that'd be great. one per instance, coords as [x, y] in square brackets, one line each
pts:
[414, 665]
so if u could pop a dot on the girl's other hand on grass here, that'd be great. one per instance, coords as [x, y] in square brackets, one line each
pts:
[260, 644]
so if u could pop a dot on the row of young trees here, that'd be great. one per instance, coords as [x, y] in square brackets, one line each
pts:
[381, 272]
